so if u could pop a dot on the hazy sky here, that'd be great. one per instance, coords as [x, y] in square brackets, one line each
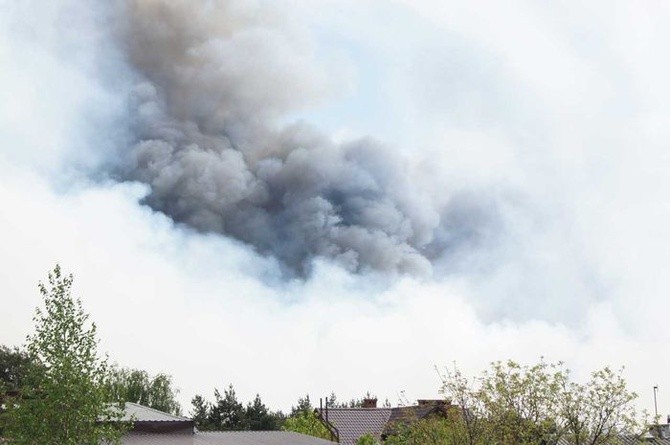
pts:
[301, 196]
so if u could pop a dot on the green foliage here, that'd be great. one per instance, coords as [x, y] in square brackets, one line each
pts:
[432, 431]
[228, 414]
[304, 404]
[367, 439]
[259, 418]
[333, 402]
[521, 403]
[597, 412]
[137, 386]
[200, 412]
[511, 404]
[14, 367]
[63, 400]
[307, 422]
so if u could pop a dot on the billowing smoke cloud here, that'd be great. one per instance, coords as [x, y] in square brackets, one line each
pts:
[215, 79]
[566, 106]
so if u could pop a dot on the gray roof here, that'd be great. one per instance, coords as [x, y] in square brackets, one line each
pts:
[353, 423]
[141, 413]
[225, 438]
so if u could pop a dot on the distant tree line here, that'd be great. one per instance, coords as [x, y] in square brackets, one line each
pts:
[227, 413]
[333, 401]
[138, 386]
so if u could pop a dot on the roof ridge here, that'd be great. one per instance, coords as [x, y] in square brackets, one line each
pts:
[157, 411]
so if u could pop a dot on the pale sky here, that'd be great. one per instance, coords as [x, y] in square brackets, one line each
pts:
[533, 135]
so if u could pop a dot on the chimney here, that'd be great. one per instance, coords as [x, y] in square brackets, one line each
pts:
[369, 403]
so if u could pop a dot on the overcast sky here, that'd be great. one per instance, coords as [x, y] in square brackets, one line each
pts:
[489, 181]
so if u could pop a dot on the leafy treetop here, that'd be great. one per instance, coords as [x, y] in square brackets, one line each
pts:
[63, 400]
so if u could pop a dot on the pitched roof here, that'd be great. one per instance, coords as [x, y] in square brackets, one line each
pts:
[407, 414]
[225, 438]
[140, 413]
[149, 420]
[353, 423]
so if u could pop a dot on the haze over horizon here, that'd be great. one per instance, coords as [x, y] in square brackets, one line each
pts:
[304, 197]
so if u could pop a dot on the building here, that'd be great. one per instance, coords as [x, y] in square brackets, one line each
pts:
[153, 427]
[347, 425]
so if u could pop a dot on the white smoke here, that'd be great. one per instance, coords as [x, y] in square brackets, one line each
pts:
[532, 182]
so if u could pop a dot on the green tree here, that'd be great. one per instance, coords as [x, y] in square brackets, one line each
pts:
[14, 366]
[137, 386]
[259, 418]
[307, 422]
[200, 413]
[367, 439]
[467, 417]
[431, 431]
[304, 404]
[352, 403]
[227, 413]
[513, 404]
[600, 411]
[64, 399]
[522, 402]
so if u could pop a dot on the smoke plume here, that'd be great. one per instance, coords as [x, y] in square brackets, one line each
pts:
[214, 81]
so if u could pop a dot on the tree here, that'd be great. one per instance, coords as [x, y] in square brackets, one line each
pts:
[352, 403]
[259, 418]
[468, 421]
[431, 431]
[304, 420]
[600, 411]
[14, 366]
[137, 386]
[227, 413]
[367, 439]
[304, 404]
[63, 400]
[522, 402]
[200, 413]
[307, 422]
[538, 405]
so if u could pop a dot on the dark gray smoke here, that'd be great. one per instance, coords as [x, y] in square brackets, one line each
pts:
[215, 78]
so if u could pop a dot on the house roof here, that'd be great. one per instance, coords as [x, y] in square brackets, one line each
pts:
[352, 423]
[140, 413]
[149, 420]
[225, 438]
[408, 414]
